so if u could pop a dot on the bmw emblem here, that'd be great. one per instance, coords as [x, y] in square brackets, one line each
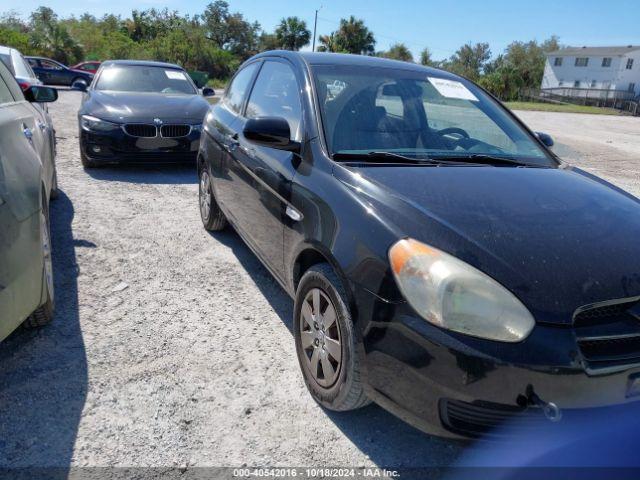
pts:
[157, 121]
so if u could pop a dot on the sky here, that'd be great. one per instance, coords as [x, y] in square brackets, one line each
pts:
[443, 25]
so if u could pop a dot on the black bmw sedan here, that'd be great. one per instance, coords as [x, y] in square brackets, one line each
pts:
[444, 262]
[140, 112]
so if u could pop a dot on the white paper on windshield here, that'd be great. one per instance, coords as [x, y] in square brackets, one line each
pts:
[452, 89]
[175, 74]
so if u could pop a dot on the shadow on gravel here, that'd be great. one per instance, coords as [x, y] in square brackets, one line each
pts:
[385, 439]
[43, 372]
[147, 174]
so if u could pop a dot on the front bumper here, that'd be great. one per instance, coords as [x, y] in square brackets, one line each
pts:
[454, 385]
[119, 147]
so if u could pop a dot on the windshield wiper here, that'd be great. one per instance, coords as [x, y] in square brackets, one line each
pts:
[385, 157]
[481, 158]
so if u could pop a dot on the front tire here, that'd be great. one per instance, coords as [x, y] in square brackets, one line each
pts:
[44, 314]
[326, 342]
[212, 217]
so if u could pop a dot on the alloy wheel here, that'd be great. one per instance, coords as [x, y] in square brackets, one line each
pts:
[46, 252]
[205, 195]
[320, 338]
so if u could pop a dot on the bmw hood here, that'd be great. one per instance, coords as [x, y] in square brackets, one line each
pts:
[558, 239]
[134, 107]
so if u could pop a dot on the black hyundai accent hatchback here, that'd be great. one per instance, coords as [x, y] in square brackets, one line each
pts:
[444, 262]
[140, 112]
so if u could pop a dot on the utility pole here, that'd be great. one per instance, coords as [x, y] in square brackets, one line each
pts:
[315, 25]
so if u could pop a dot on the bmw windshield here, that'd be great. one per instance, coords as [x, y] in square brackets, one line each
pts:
[144, 79]
[418, 114]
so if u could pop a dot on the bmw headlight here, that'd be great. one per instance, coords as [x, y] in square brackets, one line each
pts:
[93, 124]
[454, 295]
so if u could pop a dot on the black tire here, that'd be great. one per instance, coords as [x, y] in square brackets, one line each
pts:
[44, 313]
[212, 217]
[78, 79]
[53, 194]
[347, 391]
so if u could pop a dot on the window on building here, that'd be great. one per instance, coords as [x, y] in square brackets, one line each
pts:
[630, 64]
[561, 83]
[557, 62]
[632, 87]
[582, 61]
[576, 84]
[606, 62]
[593, 84]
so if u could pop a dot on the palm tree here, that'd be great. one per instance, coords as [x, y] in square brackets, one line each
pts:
[398, 51]
[354, 37]
[328, 43]
[292, 33]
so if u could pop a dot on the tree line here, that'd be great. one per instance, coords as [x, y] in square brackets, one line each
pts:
[218, 40]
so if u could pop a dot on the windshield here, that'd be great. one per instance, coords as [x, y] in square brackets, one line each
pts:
[416, 114]
[144, 79]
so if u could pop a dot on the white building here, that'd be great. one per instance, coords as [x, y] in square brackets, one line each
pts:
[600, 68]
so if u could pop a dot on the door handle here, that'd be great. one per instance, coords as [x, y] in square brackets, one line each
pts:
[27, 133]
[42, 125]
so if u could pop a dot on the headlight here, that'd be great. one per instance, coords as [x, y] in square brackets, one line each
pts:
[454, 295]
[94, 124]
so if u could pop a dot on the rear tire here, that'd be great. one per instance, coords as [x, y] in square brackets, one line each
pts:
[44, 314]
[212, 217]
[323, 331]
[78, 79]
[53, 194]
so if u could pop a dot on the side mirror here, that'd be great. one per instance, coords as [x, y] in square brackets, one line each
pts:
[273, 132]
[79, 85]
[208, 92]
[545, 138]
[40, 94]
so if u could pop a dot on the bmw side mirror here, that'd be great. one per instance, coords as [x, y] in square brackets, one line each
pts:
[545, 138]
[79, 85]
[40, 94]
[273, 132]
[208, 92]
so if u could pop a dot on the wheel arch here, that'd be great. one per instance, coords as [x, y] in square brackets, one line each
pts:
[314, 254]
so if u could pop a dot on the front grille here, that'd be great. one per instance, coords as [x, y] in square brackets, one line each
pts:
[140, 130]
[173, 131]
[613, 349]
[603, 314]
[474, 419]
[609, 335]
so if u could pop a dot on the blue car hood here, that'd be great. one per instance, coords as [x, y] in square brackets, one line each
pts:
[558, 238]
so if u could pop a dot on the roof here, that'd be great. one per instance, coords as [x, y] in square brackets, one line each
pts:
[595, 51]
[326, 58]
[141, 63]
[5, 50]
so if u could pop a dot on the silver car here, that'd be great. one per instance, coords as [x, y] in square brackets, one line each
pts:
[27, 182]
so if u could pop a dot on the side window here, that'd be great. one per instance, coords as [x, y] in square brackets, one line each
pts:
[239, 87]
[33, 62]
[50, 65]
[276, 94]
[391, 101]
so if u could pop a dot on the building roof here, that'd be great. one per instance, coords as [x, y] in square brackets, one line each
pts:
[595, 51]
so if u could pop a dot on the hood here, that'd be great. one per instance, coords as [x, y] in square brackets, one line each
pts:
[558, 238]
[130, 107]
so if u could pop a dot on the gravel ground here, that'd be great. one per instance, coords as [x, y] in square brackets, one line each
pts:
[173, 347]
